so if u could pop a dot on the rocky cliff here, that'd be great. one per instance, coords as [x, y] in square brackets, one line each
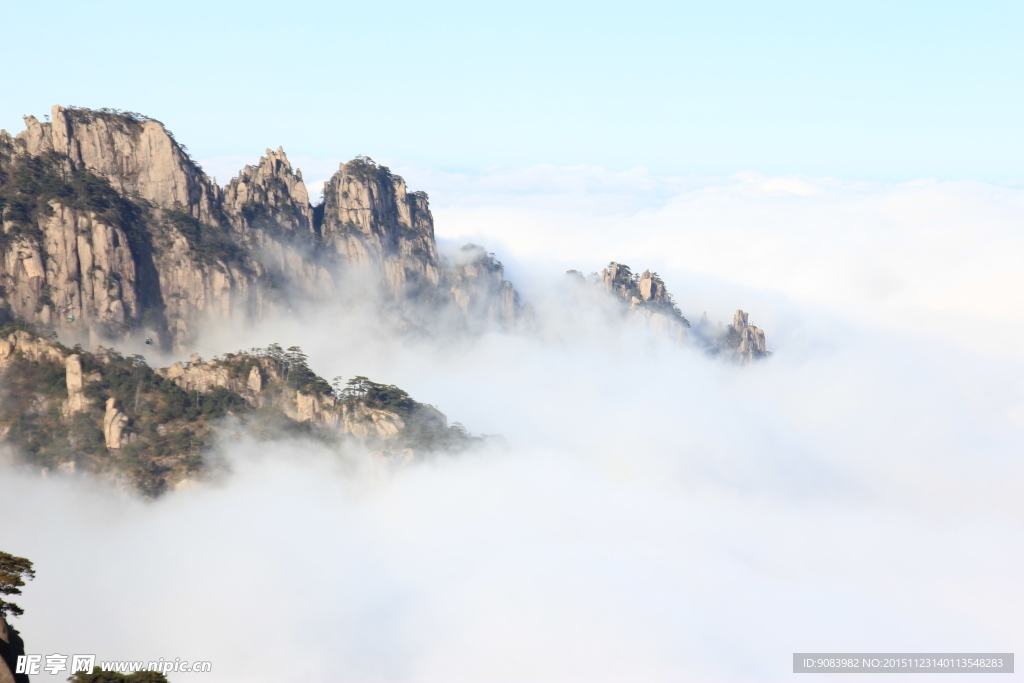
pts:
[269, 211]
[66, 409]
[645, 298]
[136, 154]
[110, 230]
[11, 647]
[478, 289]
[746, 341]
[371, 219]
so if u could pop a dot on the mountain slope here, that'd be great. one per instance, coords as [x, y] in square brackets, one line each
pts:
[151, 429]
[110, 231]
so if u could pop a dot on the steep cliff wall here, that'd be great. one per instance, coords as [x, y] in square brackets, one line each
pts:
[136, 154]
[110, 230]
[268, 207]
[477, 286]
[371, 219]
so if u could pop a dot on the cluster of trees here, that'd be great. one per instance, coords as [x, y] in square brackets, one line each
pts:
[293, 366]
[373, 395]
[368, 170]
[85, 114]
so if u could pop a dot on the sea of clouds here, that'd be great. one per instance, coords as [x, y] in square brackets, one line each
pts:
[652, 514]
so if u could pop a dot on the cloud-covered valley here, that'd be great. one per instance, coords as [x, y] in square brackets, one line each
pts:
[651, 514]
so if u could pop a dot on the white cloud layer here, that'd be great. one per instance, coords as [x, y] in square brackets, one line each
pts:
[939, 258]
[655, 515]
[935, 257]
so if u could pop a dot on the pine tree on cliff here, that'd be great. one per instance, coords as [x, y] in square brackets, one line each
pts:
[13, 572]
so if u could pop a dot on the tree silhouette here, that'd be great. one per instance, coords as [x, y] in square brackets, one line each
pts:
[13, 572]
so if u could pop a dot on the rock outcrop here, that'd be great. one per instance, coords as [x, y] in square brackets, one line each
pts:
[113, 424]
[110, 230]
[746, 341]
[22, 344]
[269, 209]
[134, 153]
[647, 299]
[479, 290]
[371, 219]
[11, 647]
[270, 196]
[75, 384]
[70, 410]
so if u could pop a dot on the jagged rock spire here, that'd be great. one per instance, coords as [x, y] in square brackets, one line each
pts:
[746, 340]
[371, 219]
[270, 196]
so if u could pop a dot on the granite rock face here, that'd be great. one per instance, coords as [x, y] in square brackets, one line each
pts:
[477, 286]
[134, 153]
[75, 268]
[371, 219]
[111, 231]
[745, 340]
[269, 211]
[113, 424]
[647, 299]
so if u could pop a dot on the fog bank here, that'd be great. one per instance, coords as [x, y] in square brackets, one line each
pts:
[654, 515]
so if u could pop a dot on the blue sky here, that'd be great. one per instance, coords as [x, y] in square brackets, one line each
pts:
[872, 90]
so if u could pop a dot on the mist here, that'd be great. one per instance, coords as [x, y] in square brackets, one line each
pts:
[652, 514]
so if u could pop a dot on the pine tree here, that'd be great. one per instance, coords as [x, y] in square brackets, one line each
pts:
[13, 572]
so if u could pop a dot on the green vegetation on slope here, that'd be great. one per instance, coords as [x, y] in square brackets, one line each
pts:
[28, 184]
[168, 430]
